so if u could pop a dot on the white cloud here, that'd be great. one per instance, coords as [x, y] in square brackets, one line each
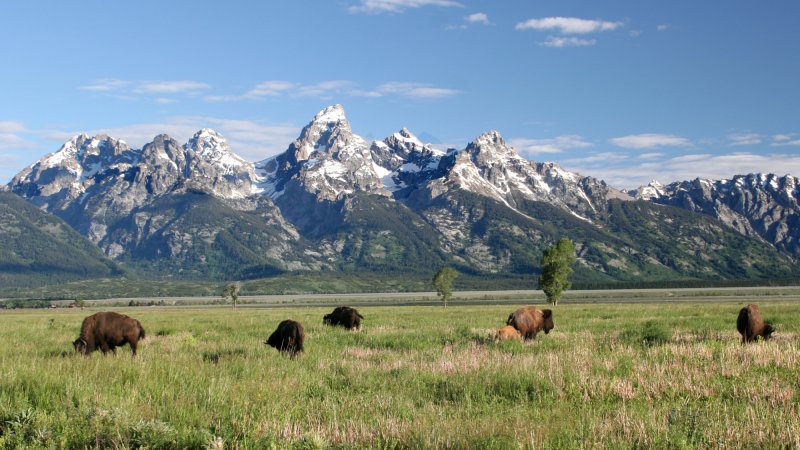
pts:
[106, 85]
[131, 90]
[10, 141]
[170, 87]
[10, 136]
[270, 88]
[650, 141]
[397, 6]
[416, 90]
[652, 155]
[663, 27]
[481, 18]
[568, 25]
[782, 137]
[12, 127]
[554, 145]
[780, 140]
[744, 139]
[560, 42]
[326, 89]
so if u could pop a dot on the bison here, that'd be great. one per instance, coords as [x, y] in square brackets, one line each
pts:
[107, 331]
[529, 320]
[750, 324]
[288, 337]
[344, 316]
[507, 333]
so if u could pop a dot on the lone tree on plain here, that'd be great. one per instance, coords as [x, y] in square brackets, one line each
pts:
[443, 282]
[557, 262]
[231, 291]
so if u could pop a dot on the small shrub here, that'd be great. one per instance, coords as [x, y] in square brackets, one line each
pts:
[651, 334]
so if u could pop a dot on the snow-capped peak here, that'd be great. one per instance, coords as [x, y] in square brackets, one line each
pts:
[331, 114]
[492, 138]
[654, 189]
[212, 146]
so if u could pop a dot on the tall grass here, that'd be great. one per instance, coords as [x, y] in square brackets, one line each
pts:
[415, 377]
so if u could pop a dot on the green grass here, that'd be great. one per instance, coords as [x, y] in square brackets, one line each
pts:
[415, 377]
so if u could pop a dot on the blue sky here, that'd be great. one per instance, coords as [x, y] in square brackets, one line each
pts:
[626, 91]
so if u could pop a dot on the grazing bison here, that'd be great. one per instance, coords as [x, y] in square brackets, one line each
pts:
[344, 316]
[107, 331]
[750, 324]
[288, 337]
[529, 320]
[507, 333]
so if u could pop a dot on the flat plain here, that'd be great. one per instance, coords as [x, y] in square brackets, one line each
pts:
[656, 373]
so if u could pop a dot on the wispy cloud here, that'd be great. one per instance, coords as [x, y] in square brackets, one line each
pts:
[481, 18]
[170, 87]
[106, 85]
[781, 140]
[554, 145]
[331, 88]
[11, 136]
[568, 25]
[651, 141]
[9, 126]
[663, 27]
[397, 6]
[567, 41]
[133, 89]
[744, 139]
[415, 90]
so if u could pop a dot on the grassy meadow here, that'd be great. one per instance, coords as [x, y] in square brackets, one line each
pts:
[621, 375]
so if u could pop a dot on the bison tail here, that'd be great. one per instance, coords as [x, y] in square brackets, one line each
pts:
[141, 332]
[359, 315]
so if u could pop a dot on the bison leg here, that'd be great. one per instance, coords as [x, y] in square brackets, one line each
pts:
[104, 347]
[133, 345]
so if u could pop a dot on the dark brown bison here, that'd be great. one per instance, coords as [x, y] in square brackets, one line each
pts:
[750, 324]
[529, 320]
[288, 337]
[507, 333]
[107, 331]
[344, 316]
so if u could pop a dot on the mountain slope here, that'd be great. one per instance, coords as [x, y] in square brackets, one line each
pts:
[334, 201]
[39, 248]
[759, 206]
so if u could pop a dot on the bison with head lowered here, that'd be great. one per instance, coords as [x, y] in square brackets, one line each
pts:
[344, 316]
[529, 320]
[107, 331]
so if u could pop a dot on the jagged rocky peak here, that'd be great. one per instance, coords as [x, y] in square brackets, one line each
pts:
[328, 132]
[490, 147]
[212, 147]
[164, 147]
[652, 190]
[405, 145]
[81, 148]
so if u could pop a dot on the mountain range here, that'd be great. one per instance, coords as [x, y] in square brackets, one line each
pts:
[334, 201]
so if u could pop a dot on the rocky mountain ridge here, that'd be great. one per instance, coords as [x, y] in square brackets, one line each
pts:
[761, 206]
[334, 201]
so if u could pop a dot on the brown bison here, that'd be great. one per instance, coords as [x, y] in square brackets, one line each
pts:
[344, 316]
[529, 320]
[507, 333]
[288, 337]
[107, 331]
[750, 324]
